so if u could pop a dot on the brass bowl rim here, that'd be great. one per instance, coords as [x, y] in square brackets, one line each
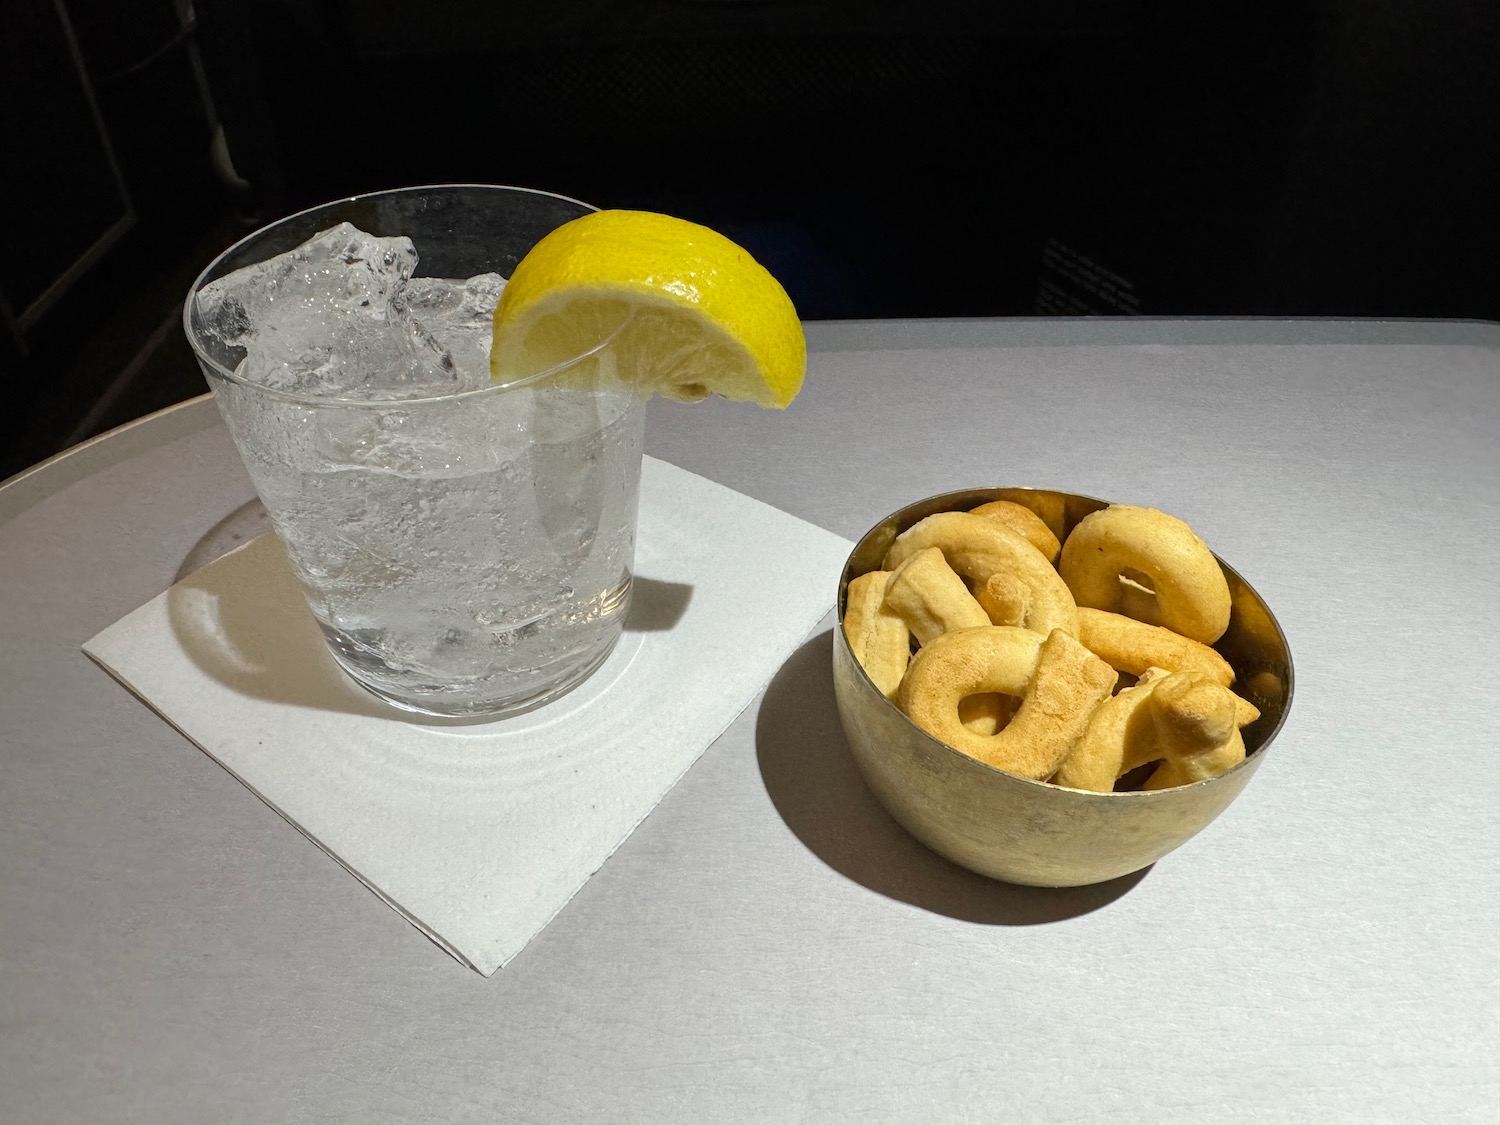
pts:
[897, 518]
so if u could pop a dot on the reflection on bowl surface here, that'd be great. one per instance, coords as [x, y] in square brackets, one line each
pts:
[1030, 832]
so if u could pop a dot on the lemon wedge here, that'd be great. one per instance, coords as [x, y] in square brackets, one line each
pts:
[688, 312]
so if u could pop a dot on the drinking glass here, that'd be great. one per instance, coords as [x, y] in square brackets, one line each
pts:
[464, 552]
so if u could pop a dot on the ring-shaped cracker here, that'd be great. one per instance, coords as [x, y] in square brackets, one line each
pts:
[931, 598]
[1121, 721]
[1132, 646]
[986, 713]
[1024, 522]
[1111, 550]
[1186, 721]
[1197, 730]
[1188, 768]
[1004, 597]
[877, 636]
[1058, 680]
[977, 547]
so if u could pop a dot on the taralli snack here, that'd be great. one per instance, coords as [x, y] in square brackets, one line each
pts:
[1010, 671]
[1122, 720]
[1058, 681]
[1149, 566]
[1194, 716]
[1197, 730]
[877, 636]
[988, 712]
[1004, 597]
[927, 594]
[1132, 646]
[978, 547]
[1048, 506]
[1186, 720]
[1022, 519]
[1208, 763]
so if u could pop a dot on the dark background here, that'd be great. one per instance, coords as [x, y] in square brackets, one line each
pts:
[937, 159]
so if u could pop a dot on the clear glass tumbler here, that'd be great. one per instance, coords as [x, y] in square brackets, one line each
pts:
[466, 553]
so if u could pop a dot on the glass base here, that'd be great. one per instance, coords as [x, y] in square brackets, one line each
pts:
[446, 704]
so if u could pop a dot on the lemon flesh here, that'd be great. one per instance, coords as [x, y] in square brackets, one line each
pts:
[686, 312]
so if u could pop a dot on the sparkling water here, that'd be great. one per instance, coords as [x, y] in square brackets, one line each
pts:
[465, 548]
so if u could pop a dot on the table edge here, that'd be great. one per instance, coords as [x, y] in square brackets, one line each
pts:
[46, 478]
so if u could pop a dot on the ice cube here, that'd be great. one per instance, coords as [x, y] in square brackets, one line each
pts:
[341, 268]
[446, 439]
[458, 316]
[323, 320]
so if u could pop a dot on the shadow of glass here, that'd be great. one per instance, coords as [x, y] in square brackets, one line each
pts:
[245, 623]
[811, 778]
[249, 521]
[656, 606]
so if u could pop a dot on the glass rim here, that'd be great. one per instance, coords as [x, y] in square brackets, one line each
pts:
[217, 370]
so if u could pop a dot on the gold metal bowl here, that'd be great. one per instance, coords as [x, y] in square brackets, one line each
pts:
[1030, 832]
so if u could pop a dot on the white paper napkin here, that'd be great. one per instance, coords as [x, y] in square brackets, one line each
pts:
[480, 833]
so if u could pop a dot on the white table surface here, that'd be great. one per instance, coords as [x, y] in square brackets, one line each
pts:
[768, 946]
